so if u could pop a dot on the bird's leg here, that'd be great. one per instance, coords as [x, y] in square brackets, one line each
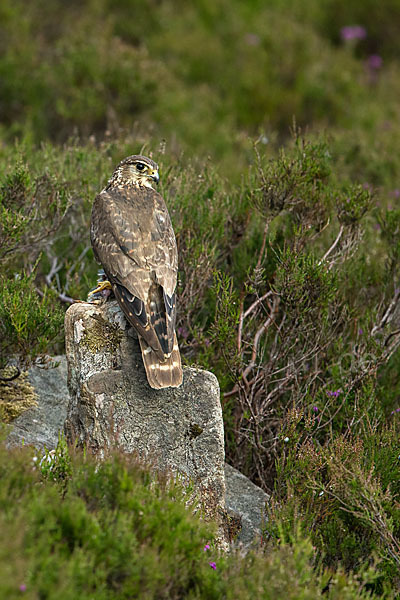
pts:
[102, 291]
[101, 286]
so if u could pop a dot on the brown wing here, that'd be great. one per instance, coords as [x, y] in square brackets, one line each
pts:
[133, 239]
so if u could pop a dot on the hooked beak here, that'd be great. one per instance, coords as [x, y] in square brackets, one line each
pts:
[154, 176]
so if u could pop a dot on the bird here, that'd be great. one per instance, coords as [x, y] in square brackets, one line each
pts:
[133, 240]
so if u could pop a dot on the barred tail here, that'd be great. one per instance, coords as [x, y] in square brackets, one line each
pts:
[162, 374]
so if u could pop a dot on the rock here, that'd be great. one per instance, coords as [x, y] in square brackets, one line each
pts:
[42, 424]
[111, 403]
[246, 500]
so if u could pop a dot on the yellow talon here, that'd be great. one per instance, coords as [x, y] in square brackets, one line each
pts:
[102, 285]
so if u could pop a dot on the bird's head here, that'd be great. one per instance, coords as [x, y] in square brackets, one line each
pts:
[136, 170]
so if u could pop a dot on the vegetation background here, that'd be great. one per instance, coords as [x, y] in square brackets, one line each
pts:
[276, 127]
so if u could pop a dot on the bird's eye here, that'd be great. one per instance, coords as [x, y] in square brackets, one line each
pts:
[140, 166]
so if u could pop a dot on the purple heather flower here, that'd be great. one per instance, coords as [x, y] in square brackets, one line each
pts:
[315, 409]
[353, 32]
[396, 193]
[183, 332]
[213, 565]
[252, 39]
[22, 587]
[360, 331]
[374, 62]
[206, 547]
[334, 394]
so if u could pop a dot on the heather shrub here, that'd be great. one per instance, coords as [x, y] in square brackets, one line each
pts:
[75, 528]
[342, 492]
[285, 330]
[28, 321]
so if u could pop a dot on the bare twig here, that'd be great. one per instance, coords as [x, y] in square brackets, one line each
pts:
[245, 314]
[333, 246]
[388, 314]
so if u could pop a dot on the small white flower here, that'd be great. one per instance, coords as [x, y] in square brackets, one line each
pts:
[321, 493]
[286, 439]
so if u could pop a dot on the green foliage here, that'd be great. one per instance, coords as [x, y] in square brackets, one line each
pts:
[115, 530]
[344, 493]
[389, 222]
[353, 205]
[31, 209]
[56, 464]
[13, 222]
[293, 181]
[226, 313]
[28, 321]
[109, 530]
[207, 74]
[304, 285]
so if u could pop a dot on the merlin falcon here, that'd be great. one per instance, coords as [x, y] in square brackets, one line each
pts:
[133, 240]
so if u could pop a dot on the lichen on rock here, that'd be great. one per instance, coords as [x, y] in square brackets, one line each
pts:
[102, 336]
[16, 396]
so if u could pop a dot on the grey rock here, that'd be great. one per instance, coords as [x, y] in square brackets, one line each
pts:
[111, 403]
[41, 425]
[247, 500]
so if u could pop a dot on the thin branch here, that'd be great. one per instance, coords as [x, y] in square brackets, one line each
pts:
[60, 295]
[262, 249]
[258, 301]
[78, 260]
[55, 267]
[386, 318]
[335, 243]
[246, 314]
